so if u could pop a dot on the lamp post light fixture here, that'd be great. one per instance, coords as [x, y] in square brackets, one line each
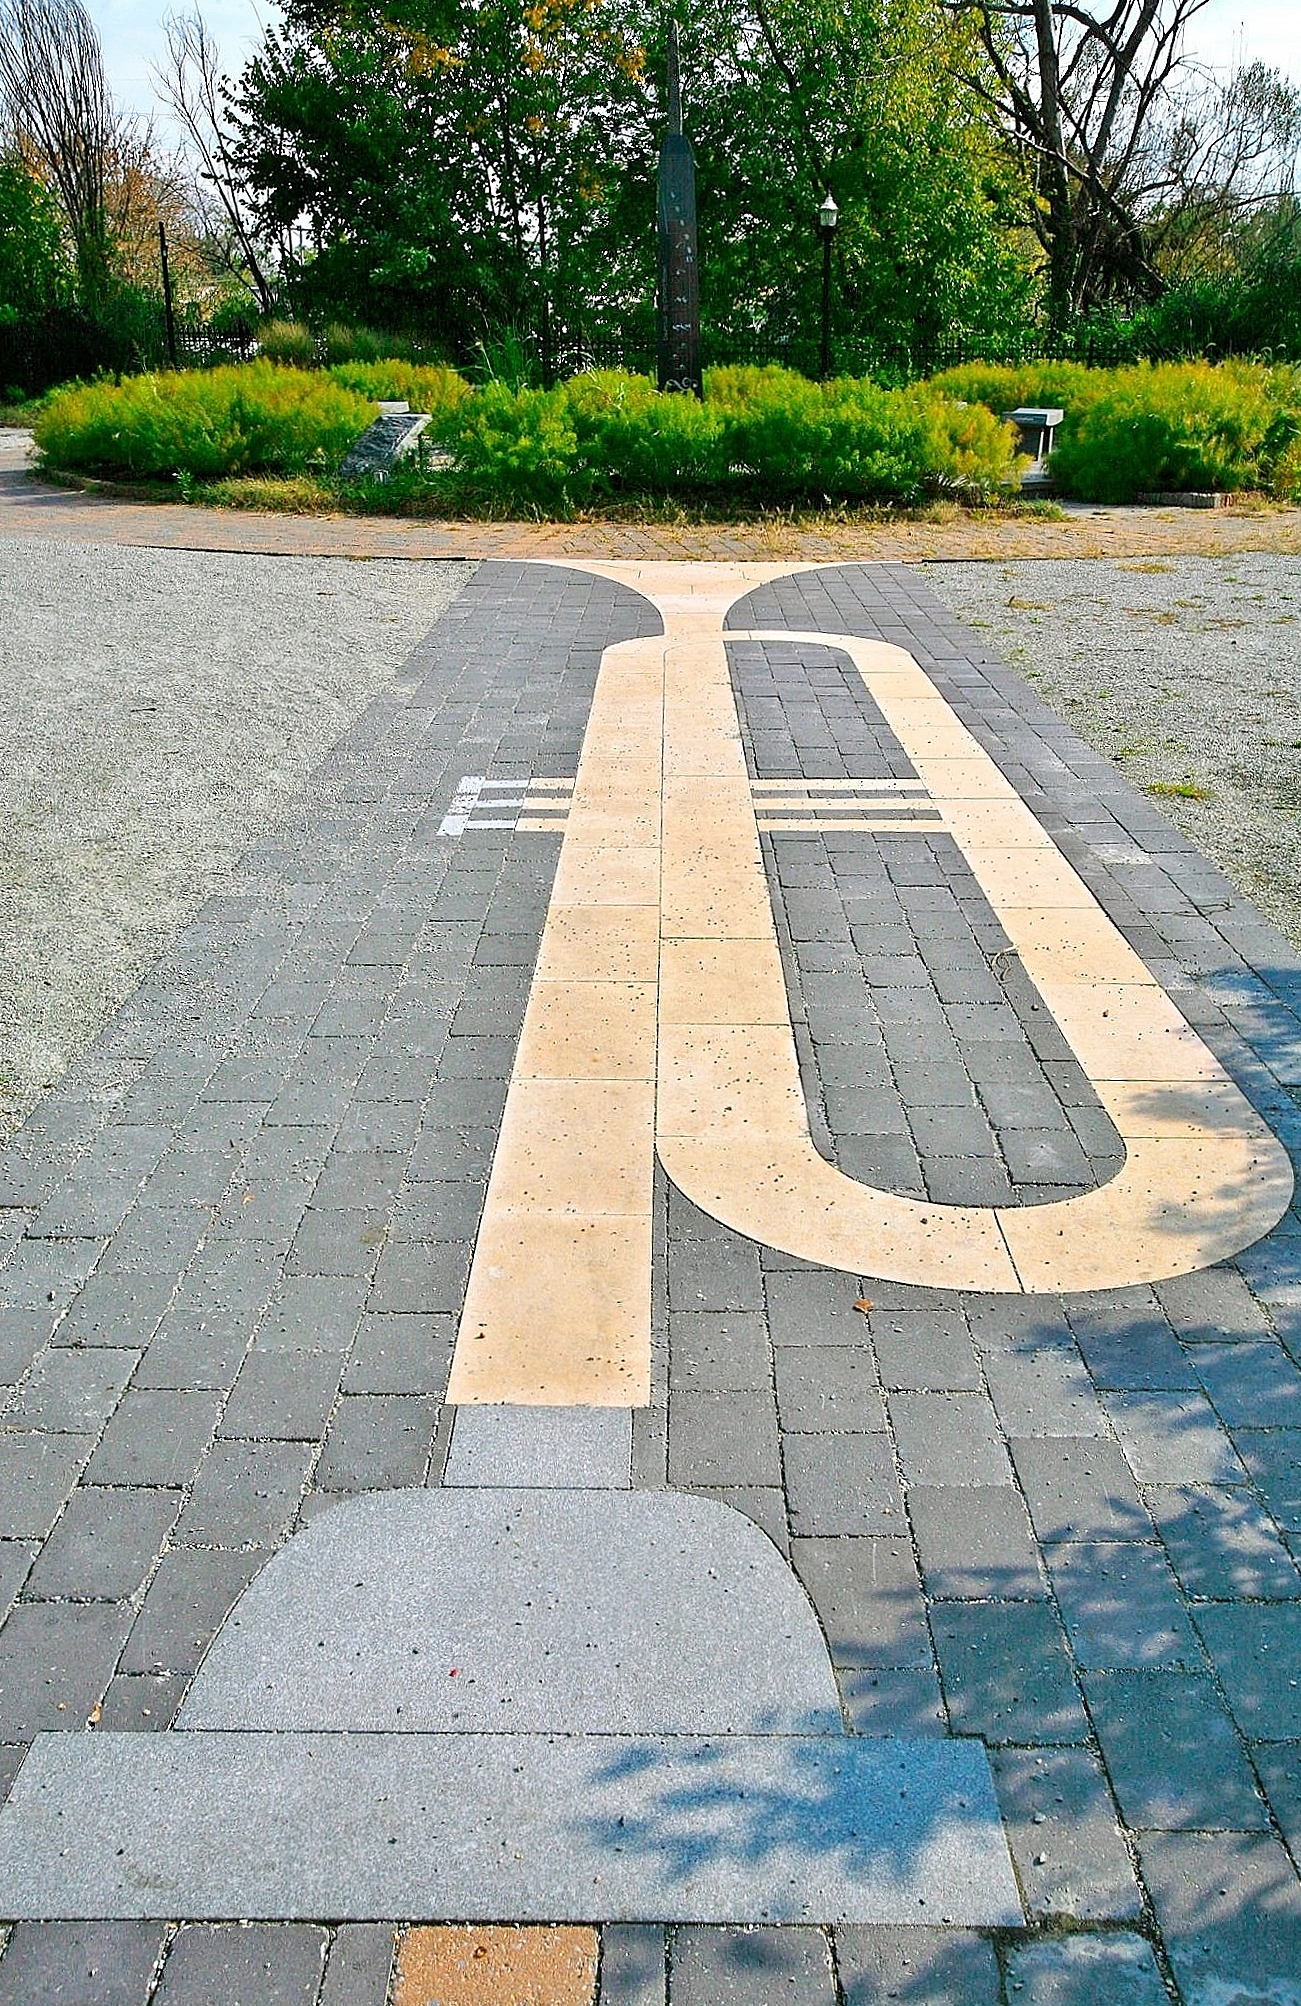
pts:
[828, 217]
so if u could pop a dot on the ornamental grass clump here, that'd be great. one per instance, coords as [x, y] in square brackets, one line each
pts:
[249, 418]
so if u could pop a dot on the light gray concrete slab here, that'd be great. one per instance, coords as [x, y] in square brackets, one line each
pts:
[463, 1612]
[543, 1447]
[536, 1827]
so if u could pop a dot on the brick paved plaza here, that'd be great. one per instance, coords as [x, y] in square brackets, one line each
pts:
[1001, 1703]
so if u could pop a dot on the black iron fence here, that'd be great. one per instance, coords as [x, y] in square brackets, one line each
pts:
[56, 347]
[65, 344]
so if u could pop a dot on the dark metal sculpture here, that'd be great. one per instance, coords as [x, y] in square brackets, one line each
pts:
[678, 295]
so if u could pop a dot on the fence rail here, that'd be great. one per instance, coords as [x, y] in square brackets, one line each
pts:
[56, 347]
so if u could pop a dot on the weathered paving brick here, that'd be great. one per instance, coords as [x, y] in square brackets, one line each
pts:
[377, 1442]
[1171, 1751]
[1044, 1392]
[841, 1484]
[400, 1353]
[245, 1494]
[868, 1598]
[359, 1965]
[720, 1351]
[155, 1438]
[1273, 1461]
[276, 1964]
[80, 1963]
[104, 1545]
[1112, 1970]
[1121, 1604]
[828, 1388]
[924, 1350]
[1062, 1829]
[37, 1472]
[1256, 1650]
[71, 1391]
[1222, 1544]
[56, 1658]
[726, 1277]
[283, 1395]
[948, 1438]
[1079, 1487]
[750, 1967]
[975, 1543]
[933, 1967]
[1173, 1438]
[813, 1308]
[1228, 1906]
[723, 1439]
[1006, 1672]
[187, 1601]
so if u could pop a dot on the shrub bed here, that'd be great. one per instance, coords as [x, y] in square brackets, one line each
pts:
[764, 433]
[1163, 427]
[254, 417]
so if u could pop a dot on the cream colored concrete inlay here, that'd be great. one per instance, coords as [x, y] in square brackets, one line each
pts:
[558, 1308]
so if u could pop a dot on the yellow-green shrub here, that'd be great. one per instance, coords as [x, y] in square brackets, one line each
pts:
[252, 417]
[630, 438]
[519, 448]
[432, 387]
[1171, 426]
[1069, 386]
[851, 440]
[1152, 427]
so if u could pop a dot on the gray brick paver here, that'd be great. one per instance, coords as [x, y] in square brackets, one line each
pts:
[1065, 1837]
[80, 1963]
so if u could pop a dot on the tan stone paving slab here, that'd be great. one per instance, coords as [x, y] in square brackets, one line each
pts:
[496, 1965]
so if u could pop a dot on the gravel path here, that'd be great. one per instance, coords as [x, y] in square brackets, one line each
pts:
[1186, 671]
[161, 708]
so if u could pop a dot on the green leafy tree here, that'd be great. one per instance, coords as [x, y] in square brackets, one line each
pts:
[859, 97]
[34, 272]
[451, 158]
[470, 168]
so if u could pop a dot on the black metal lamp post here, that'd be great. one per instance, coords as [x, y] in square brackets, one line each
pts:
[828, 217]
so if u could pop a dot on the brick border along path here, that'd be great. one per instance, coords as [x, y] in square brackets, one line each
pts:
[31, 507]
[238, 1236]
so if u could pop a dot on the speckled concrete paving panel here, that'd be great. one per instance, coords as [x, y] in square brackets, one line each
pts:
[234, 1247]
[509, 1702]
[767, 1828]
[543, 1612]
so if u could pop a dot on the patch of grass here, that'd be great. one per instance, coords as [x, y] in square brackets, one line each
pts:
[1179, 790]
[22, 414]
[450, 498]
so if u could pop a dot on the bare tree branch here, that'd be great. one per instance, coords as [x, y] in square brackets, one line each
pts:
[192, 84]
[56, 102]
[1124, 139]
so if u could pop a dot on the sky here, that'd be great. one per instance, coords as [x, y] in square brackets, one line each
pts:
[1227, 31]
